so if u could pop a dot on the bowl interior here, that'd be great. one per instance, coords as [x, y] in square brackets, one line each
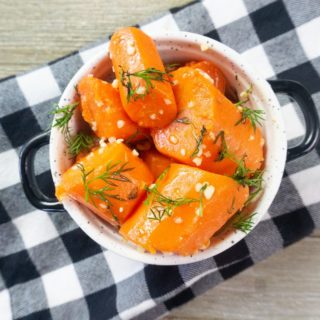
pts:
[178, 48]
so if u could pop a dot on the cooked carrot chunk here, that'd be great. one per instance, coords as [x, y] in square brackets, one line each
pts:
[216, 75]
[184, 209]
[102, 109]
[145, 91]
[207, 124]
[110, 181]
[155, 161]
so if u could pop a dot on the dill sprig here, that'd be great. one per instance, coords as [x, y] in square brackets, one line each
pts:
[184, 120]
[63, 117]
[113, 173]
[148, 75]
[244, 223]
[172, 67]
[80, 142]
[199, 141]
[200, 210]
[130, 141]
[162, 205]
[254, 116]
[243, 175]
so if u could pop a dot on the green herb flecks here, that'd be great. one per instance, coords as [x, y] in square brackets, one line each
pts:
[81, 142]
[113, 173]
[148, 75]
[199, 141]
[161, 205]
[254, 116]
[200, 209]
[172, 67]
[243, 223]
[224, 152]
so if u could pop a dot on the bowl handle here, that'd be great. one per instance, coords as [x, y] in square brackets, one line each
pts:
[302, 97]
[28, 179]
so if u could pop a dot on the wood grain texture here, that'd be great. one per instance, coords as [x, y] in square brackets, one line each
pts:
[33, 32]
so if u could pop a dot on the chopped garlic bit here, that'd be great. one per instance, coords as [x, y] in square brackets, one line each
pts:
[199, 154]
[121, 209]
[208, 192]
[115, 83]
[160, 111]
[74, 168]
[102, 205]
[153, 116]
[99, 103]
[152, 185]
[118, 141]
[251, 137]
[131, 50]
[167, 101]
[198, 186]
[207, 154]
[141, 90]
[90, 155]
[212, 136]
[197, 161]
[190, 104]
[135, 152]
[205, 75]
[102, 143]
[178, 220]
[198, 212]
[101, 150]
[174, 82]
[173, 139]
[94, 126]
[112, 139]
[204, 47]
[120, 124]
[183, 152]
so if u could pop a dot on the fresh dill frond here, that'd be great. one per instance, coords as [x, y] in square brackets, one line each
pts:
[202, 190]
[184, 120]
[162, 205]
[148, 75]
[113, 173]
[130, 141]
[164, 173]
[63, 117]
[254, 116]
[224, 152]
[172, 67]
[81, 142]
[244, 223]
[199, 141]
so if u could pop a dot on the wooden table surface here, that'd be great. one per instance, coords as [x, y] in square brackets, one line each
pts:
[287, 285]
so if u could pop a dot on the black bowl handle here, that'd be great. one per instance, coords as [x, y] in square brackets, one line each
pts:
[302, 97]
[31, 189]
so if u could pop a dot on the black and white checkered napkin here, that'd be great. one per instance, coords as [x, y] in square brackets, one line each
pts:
[51, 269]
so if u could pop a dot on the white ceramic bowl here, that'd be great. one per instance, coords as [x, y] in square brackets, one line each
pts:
[180, 47]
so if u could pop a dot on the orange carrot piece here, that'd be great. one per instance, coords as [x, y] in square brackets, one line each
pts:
[201, 105]
[156, 161]
[124, 191]
[132, 51]
[218, 79]
[187, 229]
[102, 109]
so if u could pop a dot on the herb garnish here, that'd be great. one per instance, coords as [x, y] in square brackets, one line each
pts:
[81, 142]
[254, 116]
[200, 210]
[148, 75]
[64, 116]
[110, 176]
[184, 120]
[243, 175]
[244, 223]
[172, 66]
[163, 205]
[130, 140]
[199, 141]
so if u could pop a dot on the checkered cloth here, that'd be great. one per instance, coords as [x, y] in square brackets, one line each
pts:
[51, 269]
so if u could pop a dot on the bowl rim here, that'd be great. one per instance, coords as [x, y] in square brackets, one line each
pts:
[81, 214]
